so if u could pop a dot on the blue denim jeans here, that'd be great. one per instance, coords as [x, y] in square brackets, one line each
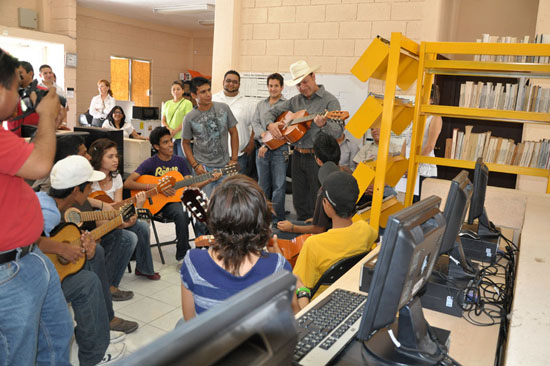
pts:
[207, 189]
[272, 178]
[119, 245]
[84, 291]
[178, 149]
[35, 324]
[174, 211]
[144, 259]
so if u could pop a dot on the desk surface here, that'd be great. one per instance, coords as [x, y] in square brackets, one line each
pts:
[530, 323]
[470, 344]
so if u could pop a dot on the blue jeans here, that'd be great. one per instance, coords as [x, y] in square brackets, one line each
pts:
[35, 324]
[144, 259]
[272, 178]
[85, 292]
[207, 189]
[119, 245]
[174, 211]
[178, 149]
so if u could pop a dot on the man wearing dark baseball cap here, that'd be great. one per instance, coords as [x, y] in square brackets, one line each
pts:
[346, 238]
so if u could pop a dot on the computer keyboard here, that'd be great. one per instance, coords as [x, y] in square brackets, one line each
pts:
[328, 327]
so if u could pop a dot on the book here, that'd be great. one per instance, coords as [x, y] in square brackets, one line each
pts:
[486, 145]
[534, 158]
[465, 144]
[448, 147]
[453, 145]
[459, 141]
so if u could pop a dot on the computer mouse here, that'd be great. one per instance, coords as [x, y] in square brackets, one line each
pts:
[469, 234]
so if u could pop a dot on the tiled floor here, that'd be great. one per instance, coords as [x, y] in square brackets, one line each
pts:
[156, 305]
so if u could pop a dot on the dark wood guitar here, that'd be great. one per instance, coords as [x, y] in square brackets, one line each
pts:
[157, 202]
[296, 125]
[196, 202]
[290, 248]
[69, 234]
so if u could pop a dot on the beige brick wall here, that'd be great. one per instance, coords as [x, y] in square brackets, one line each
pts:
[331, 33]
[171, 51]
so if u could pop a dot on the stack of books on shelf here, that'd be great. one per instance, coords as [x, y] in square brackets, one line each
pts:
[487, 38]
[470, 146]
[505, 96]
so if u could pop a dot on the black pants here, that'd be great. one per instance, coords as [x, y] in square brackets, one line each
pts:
[305, 184]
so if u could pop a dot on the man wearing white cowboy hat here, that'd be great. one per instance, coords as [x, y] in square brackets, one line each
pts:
[315, 99]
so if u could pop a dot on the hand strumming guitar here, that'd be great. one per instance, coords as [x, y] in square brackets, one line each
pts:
[168, 191]
[274, 129]
[320, 121]
[140, 199]
[72, 253]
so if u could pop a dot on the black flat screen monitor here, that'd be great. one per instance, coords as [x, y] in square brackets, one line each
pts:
[409, 250]
[477, 206]
[254, 327]
[95, 133]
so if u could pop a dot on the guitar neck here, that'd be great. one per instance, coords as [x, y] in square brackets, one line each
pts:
[197, 179]
[303, 119]
[132, 200]
[97, 233]
[98, 215]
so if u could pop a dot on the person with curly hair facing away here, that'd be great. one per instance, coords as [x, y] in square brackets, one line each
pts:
[239, 218]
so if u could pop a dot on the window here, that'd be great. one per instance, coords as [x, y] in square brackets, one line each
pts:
[131, 80]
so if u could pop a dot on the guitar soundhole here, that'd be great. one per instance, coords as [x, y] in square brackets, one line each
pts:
[74, 217]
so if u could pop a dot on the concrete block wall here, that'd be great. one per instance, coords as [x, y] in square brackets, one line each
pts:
[331, 33]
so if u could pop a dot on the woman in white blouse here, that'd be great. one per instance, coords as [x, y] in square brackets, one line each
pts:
[117, 119]
[102, 104]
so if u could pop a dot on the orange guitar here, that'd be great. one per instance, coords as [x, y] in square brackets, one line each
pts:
[163, 183]
[70, 234]
[290, 248]
[296, 125]
[157, 202]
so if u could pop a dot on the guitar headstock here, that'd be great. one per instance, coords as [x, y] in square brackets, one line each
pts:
[196, 202]
[126, 212]
[166, 182]
[231, 169]
[144, 214]
[337, 115]
[204, 241]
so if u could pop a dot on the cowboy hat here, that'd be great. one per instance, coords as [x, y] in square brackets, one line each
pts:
[299, 70]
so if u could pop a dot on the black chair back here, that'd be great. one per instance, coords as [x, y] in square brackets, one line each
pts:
[337, 270]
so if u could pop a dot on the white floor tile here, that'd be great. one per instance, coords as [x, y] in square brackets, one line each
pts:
[168, 321]
[142, 337]
[146, 309]
[170, 295]
[117, 305]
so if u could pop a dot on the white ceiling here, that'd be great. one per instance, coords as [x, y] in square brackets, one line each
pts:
[143, 10]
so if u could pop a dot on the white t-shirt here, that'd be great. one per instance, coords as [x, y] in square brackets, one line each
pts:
[117, 184]
[100, 108]
[127, 128]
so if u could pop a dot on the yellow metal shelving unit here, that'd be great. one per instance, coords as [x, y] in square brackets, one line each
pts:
[396, 62]
[430, 66]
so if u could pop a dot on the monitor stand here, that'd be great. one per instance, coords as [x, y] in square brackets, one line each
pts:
[411, 330]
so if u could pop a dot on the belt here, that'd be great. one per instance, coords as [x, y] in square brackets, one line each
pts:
[304, 151]
[12, 254]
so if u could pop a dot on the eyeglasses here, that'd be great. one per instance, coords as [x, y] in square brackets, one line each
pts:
[117, 112]
[232, 81]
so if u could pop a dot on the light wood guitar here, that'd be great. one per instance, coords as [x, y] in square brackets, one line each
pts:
[69, 234]
[296, 125]
[290, 248]
[74, 216]
[156, 203]
[163, 183]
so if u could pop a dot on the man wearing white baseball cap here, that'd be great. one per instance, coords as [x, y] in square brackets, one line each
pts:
[315, 99]
[88, 289]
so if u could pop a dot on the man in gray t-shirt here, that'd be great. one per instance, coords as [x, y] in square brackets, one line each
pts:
[208, 125]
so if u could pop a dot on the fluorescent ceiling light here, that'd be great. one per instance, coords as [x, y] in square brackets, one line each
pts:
[206, 22]
[191, 8]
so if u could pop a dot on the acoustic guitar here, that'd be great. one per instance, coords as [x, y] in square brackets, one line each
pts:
[296, 125]
[163, 183]
[196, 202]
[74, 216]
[290, 248]
[69, 234]
[157, 202]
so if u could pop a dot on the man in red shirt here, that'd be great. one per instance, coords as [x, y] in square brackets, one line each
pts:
[34, 319]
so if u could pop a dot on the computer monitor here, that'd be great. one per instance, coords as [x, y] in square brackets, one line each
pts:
[409, 250]
[95, 133]
[477, 206]
[254, 327]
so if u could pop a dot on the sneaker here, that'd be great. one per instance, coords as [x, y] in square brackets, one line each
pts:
[154, 277]
[114, 352]
[119, 295]
[121, 325]
[117, 336]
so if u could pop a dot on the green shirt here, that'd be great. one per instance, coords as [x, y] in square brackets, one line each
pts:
[175, 112]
